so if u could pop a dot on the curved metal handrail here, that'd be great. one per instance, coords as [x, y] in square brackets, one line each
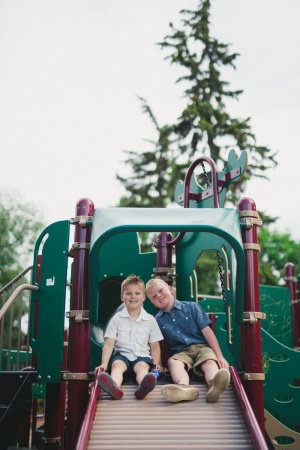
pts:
[17, 277]
[187, 184]
[14, 295]
[214, 175]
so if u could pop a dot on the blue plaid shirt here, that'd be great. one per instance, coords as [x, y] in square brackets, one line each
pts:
[182, 326]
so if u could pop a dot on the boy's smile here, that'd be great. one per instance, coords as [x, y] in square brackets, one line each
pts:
[133, 297]
[161, 296]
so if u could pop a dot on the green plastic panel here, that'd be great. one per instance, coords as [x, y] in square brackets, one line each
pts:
[281, 366]
[48, 303]
[276, 303]
[222, 223]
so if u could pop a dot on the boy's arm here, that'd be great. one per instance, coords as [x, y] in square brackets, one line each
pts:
[214, 345]
[155, 354]
[107, 352]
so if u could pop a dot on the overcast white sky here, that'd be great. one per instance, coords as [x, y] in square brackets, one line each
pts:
[70, 74]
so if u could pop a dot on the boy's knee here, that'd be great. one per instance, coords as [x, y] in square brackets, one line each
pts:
[119, 365]
[176, 363]
[141, 365]
[209, 363]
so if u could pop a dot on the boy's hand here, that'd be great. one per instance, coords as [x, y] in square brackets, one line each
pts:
[223, 363]
[102, 368]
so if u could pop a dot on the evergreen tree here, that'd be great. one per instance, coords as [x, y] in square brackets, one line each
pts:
[204, 127]
[155, 172]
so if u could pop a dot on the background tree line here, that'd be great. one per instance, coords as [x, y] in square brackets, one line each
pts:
[19, 229]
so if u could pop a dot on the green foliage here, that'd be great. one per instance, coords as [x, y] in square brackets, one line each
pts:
[19, 227]
[205, 124]
[155, 172]
[277, 249]
[208, 274]
[204, 127]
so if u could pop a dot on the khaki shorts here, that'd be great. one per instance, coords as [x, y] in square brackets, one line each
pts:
[194, 356]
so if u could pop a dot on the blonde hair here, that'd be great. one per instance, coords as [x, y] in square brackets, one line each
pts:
[154, 282]
[132, 279]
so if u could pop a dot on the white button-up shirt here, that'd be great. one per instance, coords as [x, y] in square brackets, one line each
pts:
[133, 336]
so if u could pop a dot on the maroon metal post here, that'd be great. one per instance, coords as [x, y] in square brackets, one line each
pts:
[251, 328]
[164, 252]
[55, 410]
[291, 284]
[164, 270]
[79, 342]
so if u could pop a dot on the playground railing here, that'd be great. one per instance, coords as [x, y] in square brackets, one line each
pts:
[15, 353]
[84, 435]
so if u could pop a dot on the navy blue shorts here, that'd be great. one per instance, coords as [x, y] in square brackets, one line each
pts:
[130, 364]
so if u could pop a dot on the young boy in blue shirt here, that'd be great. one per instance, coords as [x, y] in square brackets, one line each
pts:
[186, 327]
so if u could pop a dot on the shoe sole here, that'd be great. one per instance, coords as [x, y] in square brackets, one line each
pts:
[175, 393]
[107, 384]
[147, 385]
[219, 384]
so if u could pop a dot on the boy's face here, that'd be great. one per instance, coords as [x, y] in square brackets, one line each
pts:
[160, 294]
[133, 296]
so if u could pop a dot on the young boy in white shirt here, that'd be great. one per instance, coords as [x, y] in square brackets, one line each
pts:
[134, 335]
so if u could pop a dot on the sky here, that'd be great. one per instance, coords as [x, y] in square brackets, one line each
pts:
[71, 72]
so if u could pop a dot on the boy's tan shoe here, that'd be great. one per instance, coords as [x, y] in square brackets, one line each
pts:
[179, 392]
[218, 385]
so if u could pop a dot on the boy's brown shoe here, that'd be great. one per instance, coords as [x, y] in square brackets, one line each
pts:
[218, 385]
[179, 392]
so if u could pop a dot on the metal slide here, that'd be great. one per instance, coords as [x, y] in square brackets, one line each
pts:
[155, 423]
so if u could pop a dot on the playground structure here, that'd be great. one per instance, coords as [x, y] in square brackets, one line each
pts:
[257, 326]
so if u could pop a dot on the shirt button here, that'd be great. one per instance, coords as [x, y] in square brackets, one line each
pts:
[173, 320]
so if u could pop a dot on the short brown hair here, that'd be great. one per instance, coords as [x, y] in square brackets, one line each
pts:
[132, 279]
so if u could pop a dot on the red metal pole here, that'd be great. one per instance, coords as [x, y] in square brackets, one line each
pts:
[79, 342]
[291, 284]
[251, 330]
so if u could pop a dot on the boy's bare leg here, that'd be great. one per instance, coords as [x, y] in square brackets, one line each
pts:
[210, 369]
[178, 373]
[141, 369]
[217, 380]
[117, 370]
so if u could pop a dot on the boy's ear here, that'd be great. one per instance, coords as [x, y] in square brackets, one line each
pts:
[121, 297]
